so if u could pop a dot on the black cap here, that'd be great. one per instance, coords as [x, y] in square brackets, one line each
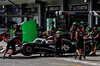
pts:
[7, 30]
[52, 22]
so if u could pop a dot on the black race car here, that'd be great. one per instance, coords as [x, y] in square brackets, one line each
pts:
[43, 46]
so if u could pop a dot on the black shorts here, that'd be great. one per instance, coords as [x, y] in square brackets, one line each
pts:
[79, 45]
[10, 45]
[95, 43]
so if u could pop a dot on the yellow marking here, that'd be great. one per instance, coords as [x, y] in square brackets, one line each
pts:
[77, 65]
[63, 64]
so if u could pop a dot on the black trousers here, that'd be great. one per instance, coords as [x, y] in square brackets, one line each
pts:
[57, 48]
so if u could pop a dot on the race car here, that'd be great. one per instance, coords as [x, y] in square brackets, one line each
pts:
[43, 46]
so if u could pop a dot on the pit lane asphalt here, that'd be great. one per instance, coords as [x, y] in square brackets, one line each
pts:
[36, 60]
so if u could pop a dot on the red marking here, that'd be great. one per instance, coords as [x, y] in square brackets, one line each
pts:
[16, 40]
[98, 13]
[51, 42]
[64, 28]
[65, 13]
[43, 36]
[24, 51]
[17, 51]
[1, 37]
[54, 39]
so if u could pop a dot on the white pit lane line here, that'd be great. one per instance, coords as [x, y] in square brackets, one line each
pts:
[81, 61]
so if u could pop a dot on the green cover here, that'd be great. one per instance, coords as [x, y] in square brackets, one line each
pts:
[29, 31]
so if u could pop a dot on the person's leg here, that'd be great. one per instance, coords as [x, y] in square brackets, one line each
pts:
[5, 53]
[12, 51]
[78, 51]
[95, 48]
[10, 54]
[55, 48]
[59, 51]
[7, 48]
[77, 48]
[56, 52]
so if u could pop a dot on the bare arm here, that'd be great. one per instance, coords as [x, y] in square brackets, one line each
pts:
[89, 34]
[76, 36]
[14, 31]
[50, 37]
[19, 43]
[96, 36]
[72, 35]
[5, 39]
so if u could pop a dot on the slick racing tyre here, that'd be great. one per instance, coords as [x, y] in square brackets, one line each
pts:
[27, 49]
[87, 48]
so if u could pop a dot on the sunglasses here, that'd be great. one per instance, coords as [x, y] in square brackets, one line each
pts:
[94, 29]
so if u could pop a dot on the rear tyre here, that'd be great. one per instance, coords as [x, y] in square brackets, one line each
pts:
[27, 50]
[87, 48]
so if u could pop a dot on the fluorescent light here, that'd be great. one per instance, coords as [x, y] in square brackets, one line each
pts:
[85, 0]
[3, 6]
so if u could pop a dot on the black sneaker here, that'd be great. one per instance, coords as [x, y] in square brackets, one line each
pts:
[93, 54]
[80, 57]
[10, 57]
[84, 57]
[75, 56]
[3, 57]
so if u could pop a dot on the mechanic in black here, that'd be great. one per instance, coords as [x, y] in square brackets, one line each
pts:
[73, 31]
[46, 34]
[3, 36]
[11, 45]
[58, 41]
[95, 36]
[79, 38]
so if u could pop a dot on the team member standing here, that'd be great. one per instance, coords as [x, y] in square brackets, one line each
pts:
[58, 41]
[73, 31]
[79, 38]
[11, 43]
[52, 28]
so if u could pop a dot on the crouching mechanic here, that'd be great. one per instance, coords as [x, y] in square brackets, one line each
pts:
[3, 36]
[57, 38]
[96, 40]
[11, 45]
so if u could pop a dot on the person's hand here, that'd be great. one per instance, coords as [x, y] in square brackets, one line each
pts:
[85, 37]
[48, 38]
[77, 40]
